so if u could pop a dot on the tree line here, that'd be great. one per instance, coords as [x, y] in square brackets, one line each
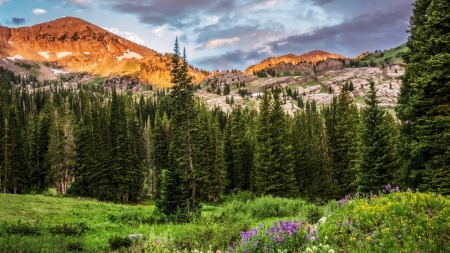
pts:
[88, 141]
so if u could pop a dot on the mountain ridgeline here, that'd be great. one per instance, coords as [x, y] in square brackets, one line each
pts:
[76, 45]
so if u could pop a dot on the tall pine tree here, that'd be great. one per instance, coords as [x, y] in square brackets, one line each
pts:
[424, 104]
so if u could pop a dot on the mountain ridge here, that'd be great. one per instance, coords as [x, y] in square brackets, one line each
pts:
[312, 56]
[78, 45]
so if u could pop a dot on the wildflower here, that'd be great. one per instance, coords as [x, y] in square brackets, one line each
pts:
[388, 187]
[331, 251]
[265, 248]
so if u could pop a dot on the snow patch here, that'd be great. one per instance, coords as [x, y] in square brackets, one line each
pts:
[63, 54]
[57, 72]
[86, 53]
[44, 54]
[10, 42]
[129, 55]
[109, 47]
[17, 56]
[120, 41]
[100, 59]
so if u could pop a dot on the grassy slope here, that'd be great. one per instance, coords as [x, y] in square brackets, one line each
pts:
[391, 53]
[50, 211]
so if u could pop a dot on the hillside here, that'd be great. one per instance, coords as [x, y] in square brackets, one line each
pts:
[76, 45]
[292, 62]
[390, 56]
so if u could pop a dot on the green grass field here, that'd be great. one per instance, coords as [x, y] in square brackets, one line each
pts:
[390, 222]
[394, 55]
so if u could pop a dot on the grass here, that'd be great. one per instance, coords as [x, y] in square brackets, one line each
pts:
[390, 222]
[394, 54]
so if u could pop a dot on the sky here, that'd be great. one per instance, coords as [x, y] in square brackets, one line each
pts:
[227, 34]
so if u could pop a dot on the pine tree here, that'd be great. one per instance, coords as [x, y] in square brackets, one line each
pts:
[341, 120]
[423, 104]
[160, 146]
[377, 158]
[273, 166]
[181, 169]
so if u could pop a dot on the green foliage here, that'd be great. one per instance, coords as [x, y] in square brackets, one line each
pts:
[422, 104]
[397, 222]
[377, 158]
[118, 242]
[273, 171]
[69, 229]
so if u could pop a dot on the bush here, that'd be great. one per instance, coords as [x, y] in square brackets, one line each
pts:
[118, 242]
[69, 229]
[75, 246]
[266, 207]
[244, 196]
[22, 228]
[396, 222]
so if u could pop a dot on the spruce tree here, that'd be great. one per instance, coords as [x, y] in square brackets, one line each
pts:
[377, 158]
[181, 169]
[423, 104]
[273, 161]
[341, 120]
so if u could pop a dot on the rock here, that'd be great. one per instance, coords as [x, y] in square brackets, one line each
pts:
[136, 236]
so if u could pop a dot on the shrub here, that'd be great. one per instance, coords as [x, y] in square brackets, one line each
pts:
[75, 246]
[396, 222]
[244, 196]
[22, 228]
[69, 229]
[118, 242]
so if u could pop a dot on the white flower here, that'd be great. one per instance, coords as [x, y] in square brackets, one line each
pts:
[331, 251]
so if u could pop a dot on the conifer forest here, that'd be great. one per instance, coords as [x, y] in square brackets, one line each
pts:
[377, 177]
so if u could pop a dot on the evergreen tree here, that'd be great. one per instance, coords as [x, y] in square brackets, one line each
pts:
[181, 170]
[273, 168]
[423, 104]
[160, 147]
[377, 158]
[341, 120]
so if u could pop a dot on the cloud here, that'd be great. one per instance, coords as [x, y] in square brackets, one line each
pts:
[365, 32]
[18, 21]
[127, 35]
[322, 2]
[78, 2]
[215, 43]
[3, 1]
[39, 11]
[174, 13]
[159, 31]
[377, 30]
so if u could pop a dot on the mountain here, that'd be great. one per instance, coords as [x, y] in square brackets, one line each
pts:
[77, 45]
[290, 60]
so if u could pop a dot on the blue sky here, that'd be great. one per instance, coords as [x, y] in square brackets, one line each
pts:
[225, 34]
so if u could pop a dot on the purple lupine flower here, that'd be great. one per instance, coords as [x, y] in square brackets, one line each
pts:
[373, 242]
[265, 248]
[308, 237]
[388, 187]
[397, 189]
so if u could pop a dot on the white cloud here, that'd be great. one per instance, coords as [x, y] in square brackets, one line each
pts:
[39, 11]
[159, 31]
[78, 1]
[127, 35]
[3, 1]
[215, 43]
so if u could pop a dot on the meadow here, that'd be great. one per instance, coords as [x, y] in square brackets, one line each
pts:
[393, 221]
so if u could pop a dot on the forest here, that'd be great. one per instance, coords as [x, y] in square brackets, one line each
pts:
[390, 170]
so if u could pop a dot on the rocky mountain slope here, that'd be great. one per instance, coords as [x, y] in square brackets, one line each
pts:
[309, 88]
[76, 45]
[292, 62]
